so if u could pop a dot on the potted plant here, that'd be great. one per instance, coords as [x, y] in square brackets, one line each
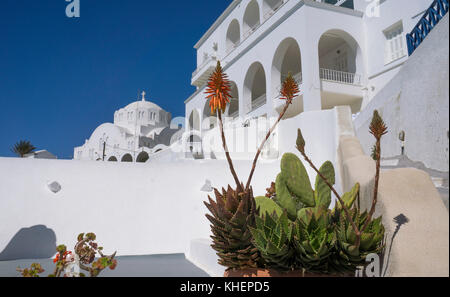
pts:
[68, 264]
[291, 231]
[233, 211]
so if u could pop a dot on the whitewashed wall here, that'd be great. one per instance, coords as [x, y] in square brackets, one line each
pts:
[137, 209]
[416, 101]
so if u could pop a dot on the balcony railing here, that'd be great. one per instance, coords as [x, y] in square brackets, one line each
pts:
[429, 20]
[340, 76]
[273, 10]
[252, 30]
[258, 102]
[234, 114]
[206, 62]
[298, 78]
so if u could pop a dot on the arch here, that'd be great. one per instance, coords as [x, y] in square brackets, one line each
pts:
[112, 159]
[340, 61]
[142, 157]
[270, 6]
[159, 148]
[233, 107]
[233, 35]
[251, 18]
[287, 59]
[194, 120]
[127, 158]
[192, 143]
[209, 120]
[255, 87]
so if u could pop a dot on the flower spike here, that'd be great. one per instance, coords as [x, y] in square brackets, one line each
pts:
[377, 126]
[218, 90]
[289, 89]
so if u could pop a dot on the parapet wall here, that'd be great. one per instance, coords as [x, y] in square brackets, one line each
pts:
[416, 219]
[416, 101]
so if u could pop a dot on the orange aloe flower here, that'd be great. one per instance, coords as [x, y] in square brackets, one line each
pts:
[218, 90]
[289, 89]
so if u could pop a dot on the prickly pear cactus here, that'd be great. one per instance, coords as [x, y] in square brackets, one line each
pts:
[297, 180]
[293, 188]
[322, 194]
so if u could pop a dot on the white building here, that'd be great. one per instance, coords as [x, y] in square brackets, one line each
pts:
[341, 52]
[140, 129]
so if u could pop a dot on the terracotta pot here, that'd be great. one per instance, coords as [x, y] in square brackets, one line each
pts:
[259, 272]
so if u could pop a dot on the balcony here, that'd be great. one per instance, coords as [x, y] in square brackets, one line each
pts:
[340, 77]
[202, 73]
[250, 31]
[234, 114]
[258, 102]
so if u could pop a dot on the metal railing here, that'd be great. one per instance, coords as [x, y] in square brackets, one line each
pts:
[429, 20]
[340, 76]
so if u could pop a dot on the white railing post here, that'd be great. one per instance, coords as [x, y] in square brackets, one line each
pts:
[340, 76]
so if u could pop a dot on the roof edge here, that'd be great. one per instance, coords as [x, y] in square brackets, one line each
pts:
[217, 23]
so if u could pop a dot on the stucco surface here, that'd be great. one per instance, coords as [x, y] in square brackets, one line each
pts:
[415, 217]
[416, 101]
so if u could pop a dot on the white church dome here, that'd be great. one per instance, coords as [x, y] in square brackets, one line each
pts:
[142, 105]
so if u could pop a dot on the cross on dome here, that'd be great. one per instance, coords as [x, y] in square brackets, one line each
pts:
[143, 95]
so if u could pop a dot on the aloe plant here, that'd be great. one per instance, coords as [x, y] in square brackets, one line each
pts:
[232, 215]
[349, 255]
[314, 239]
[272, 236]
[234, 211]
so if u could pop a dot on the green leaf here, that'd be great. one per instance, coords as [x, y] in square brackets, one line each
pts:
[267, 206]
[297, 180]
[284, 197]
[350, 197]
[323, 191]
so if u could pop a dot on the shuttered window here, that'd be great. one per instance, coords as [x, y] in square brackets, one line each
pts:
[395, 43]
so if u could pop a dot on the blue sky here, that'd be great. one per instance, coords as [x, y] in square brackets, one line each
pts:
[60, 78]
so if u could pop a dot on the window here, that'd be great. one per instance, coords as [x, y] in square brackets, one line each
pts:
[395, 47]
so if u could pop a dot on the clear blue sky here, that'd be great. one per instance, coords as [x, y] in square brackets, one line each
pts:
[60, 78]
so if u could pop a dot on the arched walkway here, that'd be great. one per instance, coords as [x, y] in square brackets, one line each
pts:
[194, 120]
[127, 158]
[341, 62]
[112, 159]
[142, 157]
[209, 120]
[255, 87]
[251, 18]
[233, 107]
[233, 35]
[287, 59]
[270, 6]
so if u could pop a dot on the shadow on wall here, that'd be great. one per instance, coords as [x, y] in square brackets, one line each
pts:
[37, 242]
